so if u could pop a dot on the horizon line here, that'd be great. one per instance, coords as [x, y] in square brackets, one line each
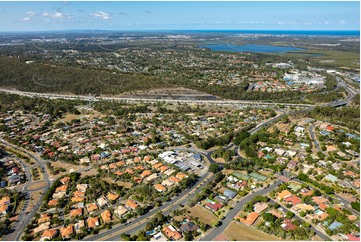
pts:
[158, 30]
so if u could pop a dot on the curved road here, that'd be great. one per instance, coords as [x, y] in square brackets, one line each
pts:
[23, 218]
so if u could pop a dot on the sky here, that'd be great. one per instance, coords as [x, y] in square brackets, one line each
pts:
[243, 15]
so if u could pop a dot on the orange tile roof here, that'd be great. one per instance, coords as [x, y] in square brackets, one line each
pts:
[319, 199]
[307, 193]
[118, 173]
[147, 158]
[139, 168]
[92, 222]
[156, 166]
[120, 163]
[78, 194]
[66, 231]
[137, 179]
[77, 199]
[283, 194]
[163, 168]
[321, 216]
[136, 159]
[5, 200]
[181, 176]
[130, 203]
[44, 218]
[323, 206]
[50, 233]
[170, 232]
[52, 203]
[113, 166]
[61, 188]
[293, 199]
[91, 207]
[76, 212]
[3, 208]
[65, 180]
[160, 187]
[174, 179]
[250, 218]
[112, 196]
[130, 171]
[145, 173]
[106, 216]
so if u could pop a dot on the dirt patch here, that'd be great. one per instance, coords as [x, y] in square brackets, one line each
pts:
[34, 198]
[220, 160]
[203, 214]
[37, 185]
[91, 172]
[227, 171]
[241, 232]
[69, 117]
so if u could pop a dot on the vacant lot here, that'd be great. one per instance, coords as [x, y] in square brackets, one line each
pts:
[69, 117]
[69, 168]
[91, 172]
[203, 214]
[120, 183]
[37, 185]
[239, 231]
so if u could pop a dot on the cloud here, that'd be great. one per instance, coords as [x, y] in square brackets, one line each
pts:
[148, 12]
[342, 22]
[30, 14]
[102, 15]
[58, 15]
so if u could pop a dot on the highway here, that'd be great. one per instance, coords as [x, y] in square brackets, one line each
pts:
[147, 100]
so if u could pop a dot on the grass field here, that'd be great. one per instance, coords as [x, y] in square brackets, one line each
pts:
[241, 232]
[203, 214]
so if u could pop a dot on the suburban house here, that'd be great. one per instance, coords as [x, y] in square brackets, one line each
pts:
[171, 232]
[214, 206]
[250, 219]
[131, 204]
[120, 211]
[106, 216]
[49, 234]
[92, 222]
[284, 194]
[66, 232]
